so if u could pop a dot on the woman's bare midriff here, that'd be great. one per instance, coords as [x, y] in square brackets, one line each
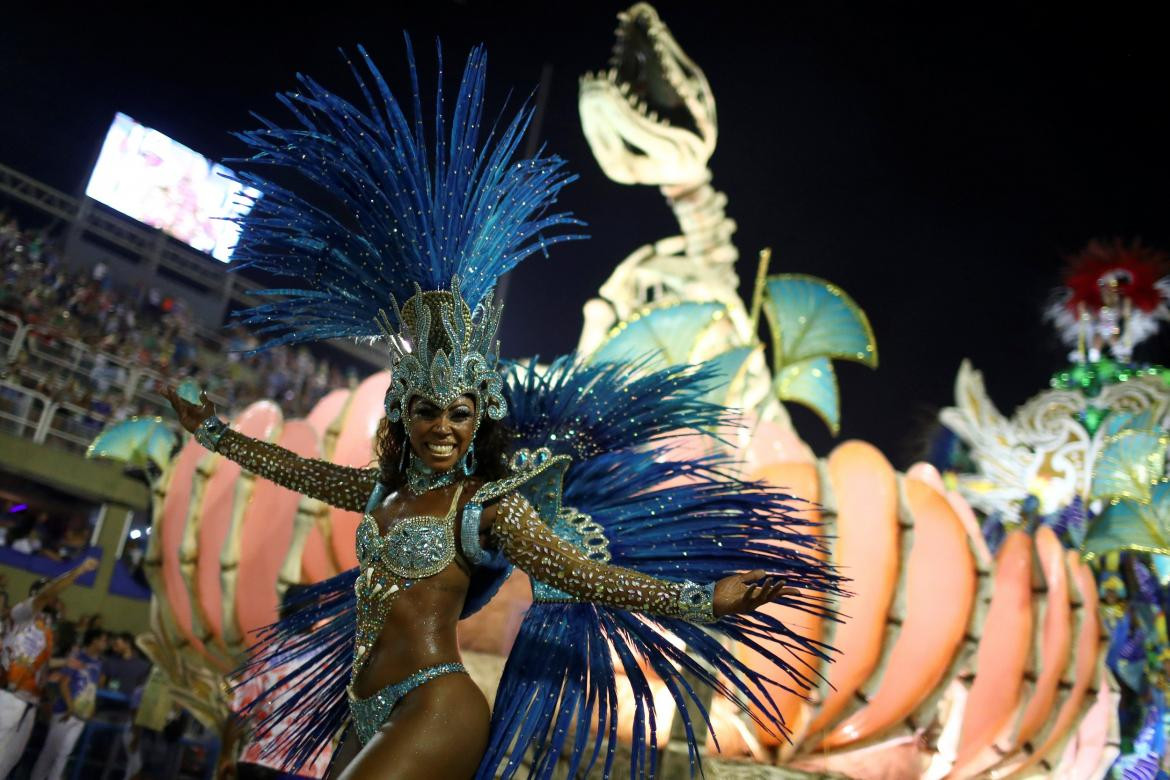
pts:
[420, 629]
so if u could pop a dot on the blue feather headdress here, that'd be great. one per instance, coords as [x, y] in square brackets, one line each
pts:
[390, 220]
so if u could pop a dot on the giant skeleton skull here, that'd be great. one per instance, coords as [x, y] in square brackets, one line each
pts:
[649, 118]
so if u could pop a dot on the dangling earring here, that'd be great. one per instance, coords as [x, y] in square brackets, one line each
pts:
[402, 460]
[469, 461]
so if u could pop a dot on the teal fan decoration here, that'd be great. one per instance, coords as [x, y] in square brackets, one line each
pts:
[812, 322]
[1132, 525]
[665, 335]
[1129, 465]
[1129, 476]
[137, 442]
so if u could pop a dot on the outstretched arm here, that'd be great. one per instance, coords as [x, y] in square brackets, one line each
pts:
[344, 487]
[48, 594]
[530, 544]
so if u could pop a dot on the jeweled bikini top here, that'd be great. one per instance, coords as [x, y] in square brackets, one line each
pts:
[414, 548]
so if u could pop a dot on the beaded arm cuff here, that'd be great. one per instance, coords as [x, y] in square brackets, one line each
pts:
[696, 603]
[210, 431]
[344, 487]
[531, 545]
[469, 534]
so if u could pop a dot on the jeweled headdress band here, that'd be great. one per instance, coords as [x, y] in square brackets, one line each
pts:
[440, 350]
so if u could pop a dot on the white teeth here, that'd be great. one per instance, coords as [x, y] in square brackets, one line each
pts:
[611, 74]
[441, 449]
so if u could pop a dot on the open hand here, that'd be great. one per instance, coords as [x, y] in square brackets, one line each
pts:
[745, 592]
[191, 416]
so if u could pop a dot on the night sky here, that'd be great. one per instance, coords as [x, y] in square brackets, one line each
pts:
[935, 164]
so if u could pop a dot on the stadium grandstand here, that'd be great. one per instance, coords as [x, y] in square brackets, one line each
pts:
[98, 311]
[102, 305]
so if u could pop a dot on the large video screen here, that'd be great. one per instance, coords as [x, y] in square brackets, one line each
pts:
[155, 179]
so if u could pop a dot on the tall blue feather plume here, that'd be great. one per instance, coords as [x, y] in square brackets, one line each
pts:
[665, 514]
[384, 213]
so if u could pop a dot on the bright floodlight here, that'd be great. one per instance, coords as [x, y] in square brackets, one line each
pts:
[155, 179]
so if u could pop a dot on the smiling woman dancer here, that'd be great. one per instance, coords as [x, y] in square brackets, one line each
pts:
[456, 499]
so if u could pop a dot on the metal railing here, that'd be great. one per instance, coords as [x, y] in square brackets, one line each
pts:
[12, 330]
[41, 356]
[23, 412]
[32, 415]
[39, 365]
[71, 427]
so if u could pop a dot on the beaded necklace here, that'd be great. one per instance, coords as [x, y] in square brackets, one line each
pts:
[422, 479]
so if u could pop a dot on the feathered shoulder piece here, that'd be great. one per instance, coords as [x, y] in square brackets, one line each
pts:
[383, 208]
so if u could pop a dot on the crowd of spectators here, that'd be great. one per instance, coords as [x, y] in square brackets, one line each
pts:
[58, 676]
[37, 531]
[123, 326]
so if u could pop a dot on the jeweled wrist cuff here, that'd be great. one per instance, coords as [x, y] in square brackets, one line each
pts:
[696, 603]
[210, 431]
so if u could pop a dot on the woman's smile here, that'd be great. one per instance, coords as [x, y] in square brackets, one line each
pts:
[441, 437]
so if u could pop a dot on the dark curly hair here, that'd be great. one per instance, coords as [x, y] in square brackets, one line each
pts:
[491, 446]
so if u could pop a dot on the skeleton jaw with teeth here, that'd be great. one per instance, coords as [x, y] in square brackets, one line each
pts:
[649, 118]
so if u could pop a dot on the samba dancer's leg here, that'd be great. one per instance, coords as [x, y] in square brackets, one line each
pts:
[439, 729]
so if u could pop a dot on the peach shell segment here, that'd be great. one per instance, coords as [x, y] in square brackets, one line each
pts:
[1002, 658]
[865, 498]
[940, 592]
[355, 447]
[263, 543]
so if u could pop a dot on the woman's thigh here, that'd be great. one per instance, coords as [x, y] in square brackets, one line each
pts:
[439, 729]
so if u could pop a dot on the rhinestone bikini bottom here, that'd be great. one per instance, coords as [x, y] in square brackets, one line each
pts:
[369, 714]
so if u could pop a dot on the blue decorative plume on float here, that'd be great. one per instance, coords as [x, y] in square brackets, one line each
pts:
[386, 211]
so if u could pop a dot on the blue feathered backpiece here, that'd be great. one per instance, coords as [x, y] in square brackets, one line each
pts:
[383, 209]
[670, 511]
